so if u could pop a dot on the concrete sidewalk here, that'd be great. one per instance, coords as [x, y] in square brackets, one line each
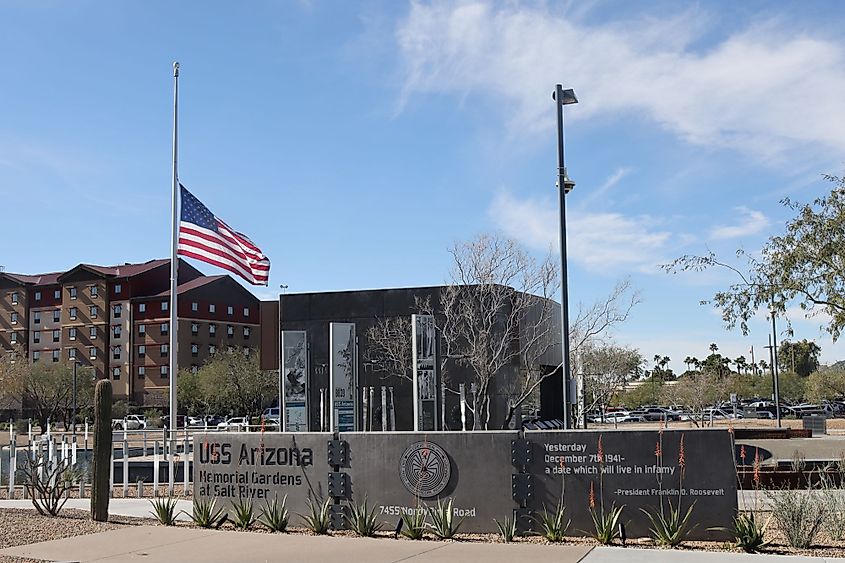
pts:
[156, 544]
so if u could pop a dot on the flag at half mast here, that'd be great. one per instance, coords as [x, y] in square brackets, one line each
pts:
[204, 237]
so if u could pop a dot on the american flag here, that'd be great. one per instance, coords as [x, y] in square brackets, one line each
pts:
[204, 237]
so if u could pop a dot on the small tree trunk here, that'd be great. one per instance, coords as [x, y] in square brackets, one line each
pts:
[102, 451]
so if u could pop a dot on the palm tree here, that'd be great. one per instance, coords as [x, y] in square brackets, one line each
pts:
[688, 361]
[713, 348]
[741, 364]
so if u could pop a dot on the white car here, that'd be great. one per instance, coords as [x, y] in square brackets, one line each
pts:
[131, 422]
[235, 424]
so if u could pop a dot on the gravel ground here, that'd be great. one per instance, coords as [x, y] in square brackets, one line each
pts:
[21, 527]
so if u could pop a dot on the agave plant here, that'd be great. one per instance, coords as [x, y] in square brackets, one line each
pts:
[553, 525]
[275, 516]
[443, 523]
[244, 514]
[414, 523]
[606, 524]
[670, 527]
[507, 528]
[206, 514]
[164, 510]
[749, 535]
[363, 521]
[319, 518]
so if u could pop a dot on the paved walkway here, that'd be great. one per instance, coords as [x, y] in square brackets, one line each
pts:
[158, 544]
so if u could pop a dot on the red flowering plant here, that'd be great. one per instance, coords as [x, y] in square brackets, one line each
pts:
[669, 523]
[605, 522]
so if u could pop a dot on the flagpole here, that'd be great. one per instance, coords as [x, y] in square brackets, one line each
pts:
[174, 265]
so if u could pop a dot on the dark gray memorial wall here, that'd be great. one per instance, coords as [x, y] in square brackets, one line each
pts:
[630, 473]
[399, 471]
[260, 467]
[488, 474]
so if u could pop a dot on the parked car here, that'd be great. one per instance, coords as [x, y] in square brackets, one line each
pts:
[272, 413]
[235, 424]
[656, 414]
[718, 414]
[130, 422]
[196, 421]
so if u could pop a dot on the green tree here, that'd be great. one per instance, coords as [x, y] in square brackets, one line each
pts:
[48, 390]
[232, 381]
[800, 357]
[191, 393]
[791, 386]
[825, 385]
[648, 392]
[805, 265]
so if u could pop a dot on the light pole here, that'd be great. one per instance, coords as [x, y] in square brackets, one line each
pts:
[565, 185]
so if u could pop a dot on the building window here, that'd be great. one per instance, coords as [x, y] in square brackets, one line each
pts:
[164, 305]
[163, 371]
[212, 329]
[94, 291]
[194, 306]
[142, 330]
[56, 355]
[164, 328]
[212, 308]
[93, 310]
[230, 331]
[38, 296]
[36, 337]
[246, 352]
[194, 368]
[57, 335]
[163, 349]
[212, 349]
[71, 313]
[36, 356]
[142, 307]
[14, 338]
[195, 349]
[71, 334]
[71, 353]
[195, 328]
[92, 352]
[14, 298]
[72, 291]
[246, 311]
[36, 317]
[115, 352]
[142, 351]
[230, 310]
[57, 294]
[57, 314]
[115, 373]
[117, 331]
[14, 318]
[118, 288]
[117, 310]
[92, 332]
[246, 332]
[142, 372]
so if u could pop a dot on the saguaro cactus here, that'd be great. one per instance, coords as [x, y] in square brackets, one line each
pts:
[102, 451]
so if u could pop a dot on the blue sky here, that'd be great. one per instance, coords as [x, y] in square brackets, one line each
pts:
[355, 142]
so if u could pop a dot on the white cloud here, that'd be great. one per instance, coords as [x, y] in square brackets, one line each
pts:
[598, 241]
[765, 89]
[751, 223]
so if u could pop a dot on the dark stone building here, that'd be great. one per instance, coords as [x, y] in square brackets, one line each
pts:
[312, 312]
